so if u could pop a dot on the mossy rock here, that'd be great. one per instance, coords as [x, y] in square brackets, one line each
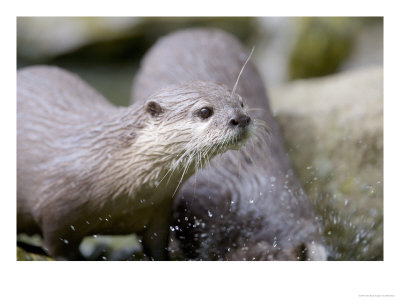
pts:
[322, 46]
[23, 255]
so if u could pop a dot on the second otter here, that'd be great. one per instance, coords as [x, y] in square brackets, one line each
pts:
[87, 167]
[247, 205]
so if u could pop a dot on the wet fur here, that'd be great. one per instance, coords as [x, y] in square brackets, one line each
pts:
[87, 167]
[245, 205]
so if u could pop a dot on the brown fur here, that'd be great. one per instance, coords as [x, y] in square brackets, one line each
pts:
[87, 167]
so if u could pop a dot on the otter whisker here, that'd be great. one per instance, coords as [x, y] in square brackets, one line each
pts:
[263, 136]
[199, 164]
[262, 124]
[168, 172]
[176, 163]
[241, 71]
[260, 121]
[183, 174]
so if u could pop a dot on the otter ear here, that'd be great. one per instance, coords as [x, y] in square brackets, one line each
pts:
[153, 108]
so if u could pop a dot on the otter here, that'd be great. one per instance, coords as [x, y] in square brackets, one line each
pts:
[246, 205]
[86, 167]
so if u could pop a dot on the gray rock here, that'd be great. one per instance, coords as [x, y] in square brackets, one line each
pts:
[333, 130]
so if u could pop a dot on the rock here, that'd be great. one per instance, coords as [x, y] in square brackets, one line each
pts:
[333, 130]
[64, 34]
[322, 45]
[106, 51]
[23, 255]
[294, 48]
[117, 247]
[42, 38]
[96, 247]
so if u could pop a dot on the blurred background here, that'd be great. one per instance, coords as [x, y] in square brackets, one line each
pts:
[324, 78]
[286, 48]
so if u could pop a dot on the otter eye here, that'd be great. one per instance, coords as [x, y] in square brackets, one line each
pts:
[205, 112]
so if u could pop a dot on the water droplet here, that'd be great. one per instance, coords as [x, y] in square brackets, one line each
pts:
[171, 228]
[210, 214]
[66, 241]
[309, 167]
[87, 222]
[251, 201]
[346, 202]
[273, 179]
[186, 218]
[95, 235]
[72, 227]
[142, 201]
[329, 232]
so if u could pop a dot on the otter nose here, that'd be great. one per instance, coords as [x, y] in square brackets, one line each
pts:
[241, 121]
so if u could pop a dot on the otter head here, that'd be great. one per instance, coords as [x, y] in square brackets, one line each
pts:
[198, 120]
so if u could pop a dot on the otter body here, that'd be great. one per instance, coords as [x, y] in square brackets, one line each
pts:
[246, 205]
[87, 167]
